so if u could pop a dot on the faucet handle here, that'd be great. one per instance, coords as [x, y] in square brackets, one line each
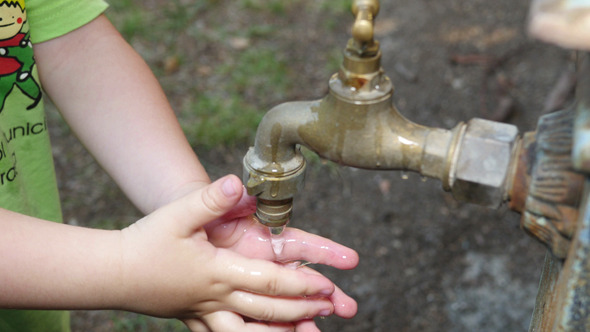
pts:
[362, 42]
[365, 12]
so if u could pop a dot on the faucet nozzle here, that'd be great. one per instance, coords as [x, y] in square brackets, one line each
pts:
[274, 214]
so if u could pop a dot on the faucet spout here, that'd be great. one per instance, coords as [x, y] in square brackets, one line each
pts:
[372, 134]
[369, 134]
[355, 125]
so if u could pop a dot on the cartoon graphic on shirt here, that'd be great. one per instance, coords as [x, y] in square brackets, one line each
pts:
[16, 53]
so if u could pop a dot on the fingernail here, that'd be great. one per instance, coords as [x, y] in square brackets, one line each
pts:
[325, 312]
[327, 291]
[228, 188]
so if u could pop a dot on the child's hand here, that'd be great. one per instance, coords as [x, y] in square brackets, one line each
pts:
[237, 230]
[251, 239]
[170, 269]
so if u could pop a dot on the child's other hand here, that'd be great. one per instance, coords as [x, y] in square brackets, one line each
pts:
[170, 269]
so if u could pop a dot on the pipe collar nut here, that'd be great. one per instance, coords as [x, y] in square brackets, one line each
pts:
[483, 162]
[273, 183]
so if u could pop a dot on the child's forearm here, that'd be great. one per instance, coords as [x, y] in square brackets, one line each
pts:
[115, 105]
[46, 265]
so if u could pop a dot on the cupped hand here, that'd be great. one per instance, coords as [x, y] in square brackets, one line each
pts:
[246, 236]
[239, 231]
[169, 268]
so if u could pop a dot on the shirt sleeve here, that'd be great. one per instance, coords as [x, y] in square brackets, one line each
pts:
[50, 19]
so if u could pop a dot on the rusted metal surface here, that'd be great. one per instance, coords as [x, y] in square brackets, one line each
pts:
[563, 301]
[545, 310]
[551, 207]
[573, 291]
[518, 188]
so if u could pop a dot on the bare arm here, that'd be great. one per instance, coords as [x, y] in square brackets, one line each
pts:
[50, 265]
[115, 105]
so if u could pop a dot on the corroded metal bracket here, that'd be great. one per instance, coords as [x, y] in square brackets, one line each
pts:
[547, 189]
[563, 300]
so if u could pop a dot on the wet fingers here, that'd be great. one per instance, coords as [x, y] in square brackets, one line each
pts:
[264, 308]
[267, 278]
[230, 321]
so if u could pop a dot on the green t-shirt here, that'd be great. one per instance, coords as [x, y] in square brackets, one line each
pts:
[27, 176]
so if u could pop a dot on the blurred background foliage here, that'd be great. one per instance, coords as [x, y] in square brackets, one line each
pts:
[225, 64]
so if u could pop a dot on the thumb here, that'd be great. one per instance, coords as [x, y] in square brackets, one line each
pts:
[206, 204]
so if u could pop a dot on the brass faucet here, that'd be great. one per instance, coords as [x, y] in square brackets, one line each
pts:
[543, 175]
[356, 124]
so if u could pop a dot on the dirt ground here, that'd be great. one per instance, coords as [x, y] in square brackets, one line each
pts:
[427, 262]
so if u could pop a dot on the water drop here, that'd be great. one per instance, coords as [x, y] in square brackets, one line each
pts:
[278, 243]
[404, 175]
[274, 190]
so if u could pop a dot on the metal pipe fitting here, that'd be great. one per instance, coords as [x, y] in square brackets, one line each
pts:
[484, 162]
